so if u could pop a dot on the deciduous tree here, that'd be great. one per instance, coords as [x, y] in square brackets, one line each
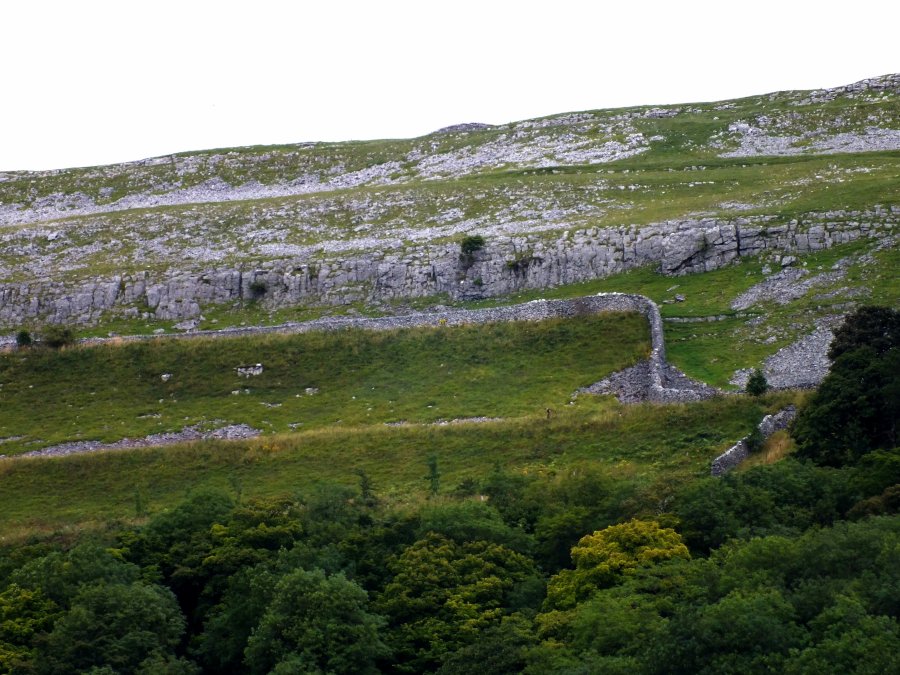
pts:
[606, 556]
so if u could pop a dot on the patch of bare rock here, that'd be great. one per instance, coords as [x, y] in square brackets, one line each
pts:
[186, 435]
[636, 385]
[785, 286]
[801, 365]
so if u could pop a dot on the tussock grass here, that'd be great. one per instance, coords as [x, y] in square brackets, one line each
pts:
[656, 447]
[778, 446]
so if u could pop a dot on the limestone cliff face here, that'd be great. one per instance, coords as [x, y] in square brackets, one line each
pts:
[503, 266]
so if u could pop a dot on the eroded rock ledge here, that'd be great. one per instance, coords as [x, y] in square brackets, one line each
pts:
[507, 264]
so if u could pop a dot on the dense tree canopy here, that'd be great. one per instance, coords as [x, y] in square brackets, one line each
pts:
[793, 570]
[857, 406]
[316, 623]
[444, 594]
[605, 557]
[115, 625]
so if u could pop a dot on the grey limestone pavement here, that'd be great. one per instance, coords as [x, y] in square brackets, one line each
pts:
[509, 263]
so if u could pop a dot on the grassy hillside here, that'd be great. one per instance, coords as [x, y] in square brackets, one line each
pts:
[651, 449]
[309, 381]
[440, 490]
[787, 156]
[811, 123]
[508, 371]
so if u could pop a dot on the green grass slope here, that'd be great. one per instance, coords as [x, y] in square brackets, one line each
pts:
[652, 449]
[323, 399]
[114, 391]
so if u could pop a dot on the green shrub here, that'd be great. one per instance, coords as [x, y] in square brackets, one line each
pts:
[755, 441]
[757, 385]
[23, 338]
[471, 243]
[57, 336]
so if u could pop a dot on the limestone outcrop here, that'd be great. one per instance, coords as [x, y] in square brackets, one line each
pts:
[506, 264]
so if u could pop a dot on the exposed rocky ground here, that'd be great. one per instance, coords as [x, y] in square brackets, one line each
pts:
[186, 435]
[532, 188]
[635, 385]
[506, 264]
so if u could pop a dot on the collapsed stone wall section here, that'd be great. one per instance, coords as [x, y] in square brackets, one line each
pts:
[737, 453]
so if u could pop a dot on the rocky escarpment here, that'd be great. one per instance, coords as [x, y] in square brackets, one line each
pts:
[505, 265]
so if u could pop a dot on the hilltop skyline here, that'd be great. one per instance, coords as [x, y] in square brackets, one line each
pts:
[101, 83]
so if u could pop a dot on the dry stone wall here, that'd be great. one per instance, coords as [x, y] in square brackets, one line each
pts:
[737, 453]
[654, 376]
[651, 380]
[505, 265]
[536, 310]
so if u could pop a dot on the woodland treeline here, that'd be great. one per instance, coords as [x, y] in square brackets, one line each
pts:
[791, 567]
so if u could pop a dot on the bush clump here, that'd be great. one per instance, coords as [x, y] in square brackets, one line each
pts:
[471, 243]
[57, 336]
[757, 385]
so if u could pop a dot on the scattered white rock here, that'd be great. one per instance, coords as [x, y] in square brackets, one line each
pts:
[250, 370]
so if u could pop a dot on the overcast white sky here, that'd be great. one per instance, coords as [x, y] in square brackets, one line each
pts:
[89, 82]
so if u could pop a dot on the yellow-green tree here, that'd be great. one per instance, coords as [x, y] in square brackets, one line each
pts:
[24, 614]
[603, 558]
